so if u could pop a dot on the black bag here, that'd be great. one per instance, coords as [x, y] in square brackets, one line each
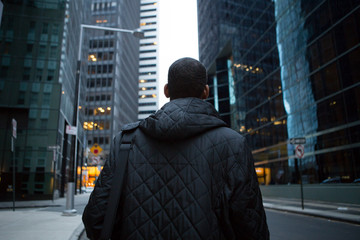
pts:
[117, 184]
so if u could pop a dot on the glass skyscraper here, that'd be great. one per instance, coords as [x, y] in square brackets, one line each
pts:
[112, 70]
[287, 69]
[38, 49]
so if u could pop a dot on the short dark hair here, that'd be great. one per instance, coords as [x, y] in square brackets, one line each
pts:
[187, 77]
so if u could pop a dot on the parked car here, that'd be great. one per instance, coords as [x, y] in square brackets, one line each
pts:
[89, 189]
[332, 180]
[356, 180]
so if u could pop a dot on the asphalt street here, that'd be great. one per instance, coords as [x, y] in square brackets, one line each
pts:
[284, 225]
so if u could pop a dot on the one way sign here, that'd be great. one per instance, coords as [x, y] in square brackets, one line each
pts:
[297, 141]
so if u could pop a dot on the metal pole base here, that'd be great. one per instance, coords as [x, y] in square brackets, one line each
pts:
[70, 211]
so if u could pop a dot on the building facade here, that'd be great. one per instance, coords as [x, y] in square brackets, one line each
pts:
[38, 49]
[149, 56]
[112, 75]
[287, 69]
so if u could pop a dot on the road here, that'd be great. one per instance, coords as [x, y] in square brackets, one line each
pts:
[283, 225]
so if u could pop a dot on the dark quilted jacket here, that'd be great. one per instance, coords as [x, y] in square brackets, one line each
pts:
[188, 177]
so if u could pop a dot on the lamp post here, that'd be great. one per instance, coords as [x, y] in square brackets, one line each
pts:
[138, 33]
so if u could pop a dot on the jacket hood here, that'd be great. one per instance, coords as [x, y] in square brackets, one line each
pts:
[180, 119]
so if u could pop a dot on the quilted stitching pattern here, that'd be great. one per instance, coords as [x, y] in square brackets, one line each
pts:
[204, 187]
[175, 187]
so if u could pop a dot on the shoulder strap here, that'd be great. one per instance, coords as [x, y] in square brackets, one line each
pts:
[127, 140]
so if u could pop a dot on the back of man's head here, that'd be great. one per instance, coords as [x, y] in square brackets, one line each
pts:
[187, 77]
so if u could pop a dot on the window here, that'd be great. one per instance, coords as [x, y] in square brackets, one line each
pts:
[147, 58]
[53, 51]
[150, 30]
[148, 51]
[29, 48]
[42, 50]
[55, 29]
[21, 98]
[151, 16]
[147, 112]
[147, 104]
[51, 74]
[147, 88]
[43, 123]
[147, 73]
[148, 96]
[149, 3]
[147, 80]
[26, 74]
[148, 10]
[45, 28]
[34, 99]
[46, 99]
[147, 65]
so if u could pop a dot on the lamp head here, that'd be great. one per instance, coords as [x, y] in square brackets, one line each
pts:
[139, 33]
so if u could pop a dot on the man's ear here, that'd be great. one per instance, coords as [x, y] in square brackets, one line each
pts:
[206, 92]
[166, 91]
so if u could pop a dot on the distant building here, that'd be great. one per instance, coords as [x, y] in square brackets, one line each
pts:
[149, 57]
[1, 10]
[111, 96]
[38, 48]
[287, 69]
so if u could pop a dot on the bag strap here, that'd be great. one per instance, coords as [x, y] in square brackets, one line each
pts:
[127, 140]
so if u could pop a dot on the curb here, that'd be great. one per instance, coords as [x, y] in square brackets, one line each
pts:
[78, 232]
[316, 213]
[34, 206]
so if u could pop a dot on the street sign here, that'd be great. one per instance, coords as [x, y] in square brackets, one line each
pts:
[55, 147]
[96, 149]
[14, 128]
[297, 140]
[71, 130]
[299, 151]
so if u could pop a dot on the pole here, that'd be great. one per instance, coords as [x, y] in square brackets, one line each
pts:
[54, 181]
[301, 186]
[70, 211]
[14, 177]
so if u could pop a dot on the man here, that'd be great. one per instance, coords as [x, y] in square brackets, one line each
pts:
[189, 176]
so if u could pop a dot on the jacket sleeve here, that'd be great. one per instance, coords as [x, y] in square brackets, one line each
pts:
[94, 212]
[246, 210]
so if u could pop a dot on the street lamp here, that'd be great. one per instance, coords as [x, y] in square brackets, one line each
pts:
[138, 33]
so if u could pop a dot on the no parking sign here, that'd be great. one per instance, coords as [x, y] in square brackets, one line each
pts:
[299, 151]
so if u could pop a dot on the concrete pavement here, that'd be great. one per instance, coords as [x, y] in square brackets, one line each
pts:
[40, 220]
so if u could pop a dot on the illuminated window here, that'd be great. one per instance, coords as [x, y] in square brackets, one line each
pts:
[147, 73]
[147, 80]
[147, 88]
[148, 96]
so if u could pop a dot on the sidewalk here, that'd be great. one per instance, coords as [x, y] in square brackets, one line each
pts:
[40, 220]
[334, 211]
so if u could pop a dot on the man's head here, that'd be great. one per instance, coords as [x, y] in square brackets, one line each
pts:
[187, 78]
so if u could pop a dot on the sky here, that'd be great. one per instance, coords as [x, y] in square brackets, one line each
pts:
[178, 36]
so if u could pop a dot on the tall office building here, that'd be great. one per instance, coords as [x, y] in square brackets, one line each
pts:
[287, 69]
[112, 78]
[38, 48]
[149, 56]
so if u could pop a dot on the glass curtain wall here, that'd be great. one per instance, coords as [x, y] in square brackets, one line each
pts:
[287, 69]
